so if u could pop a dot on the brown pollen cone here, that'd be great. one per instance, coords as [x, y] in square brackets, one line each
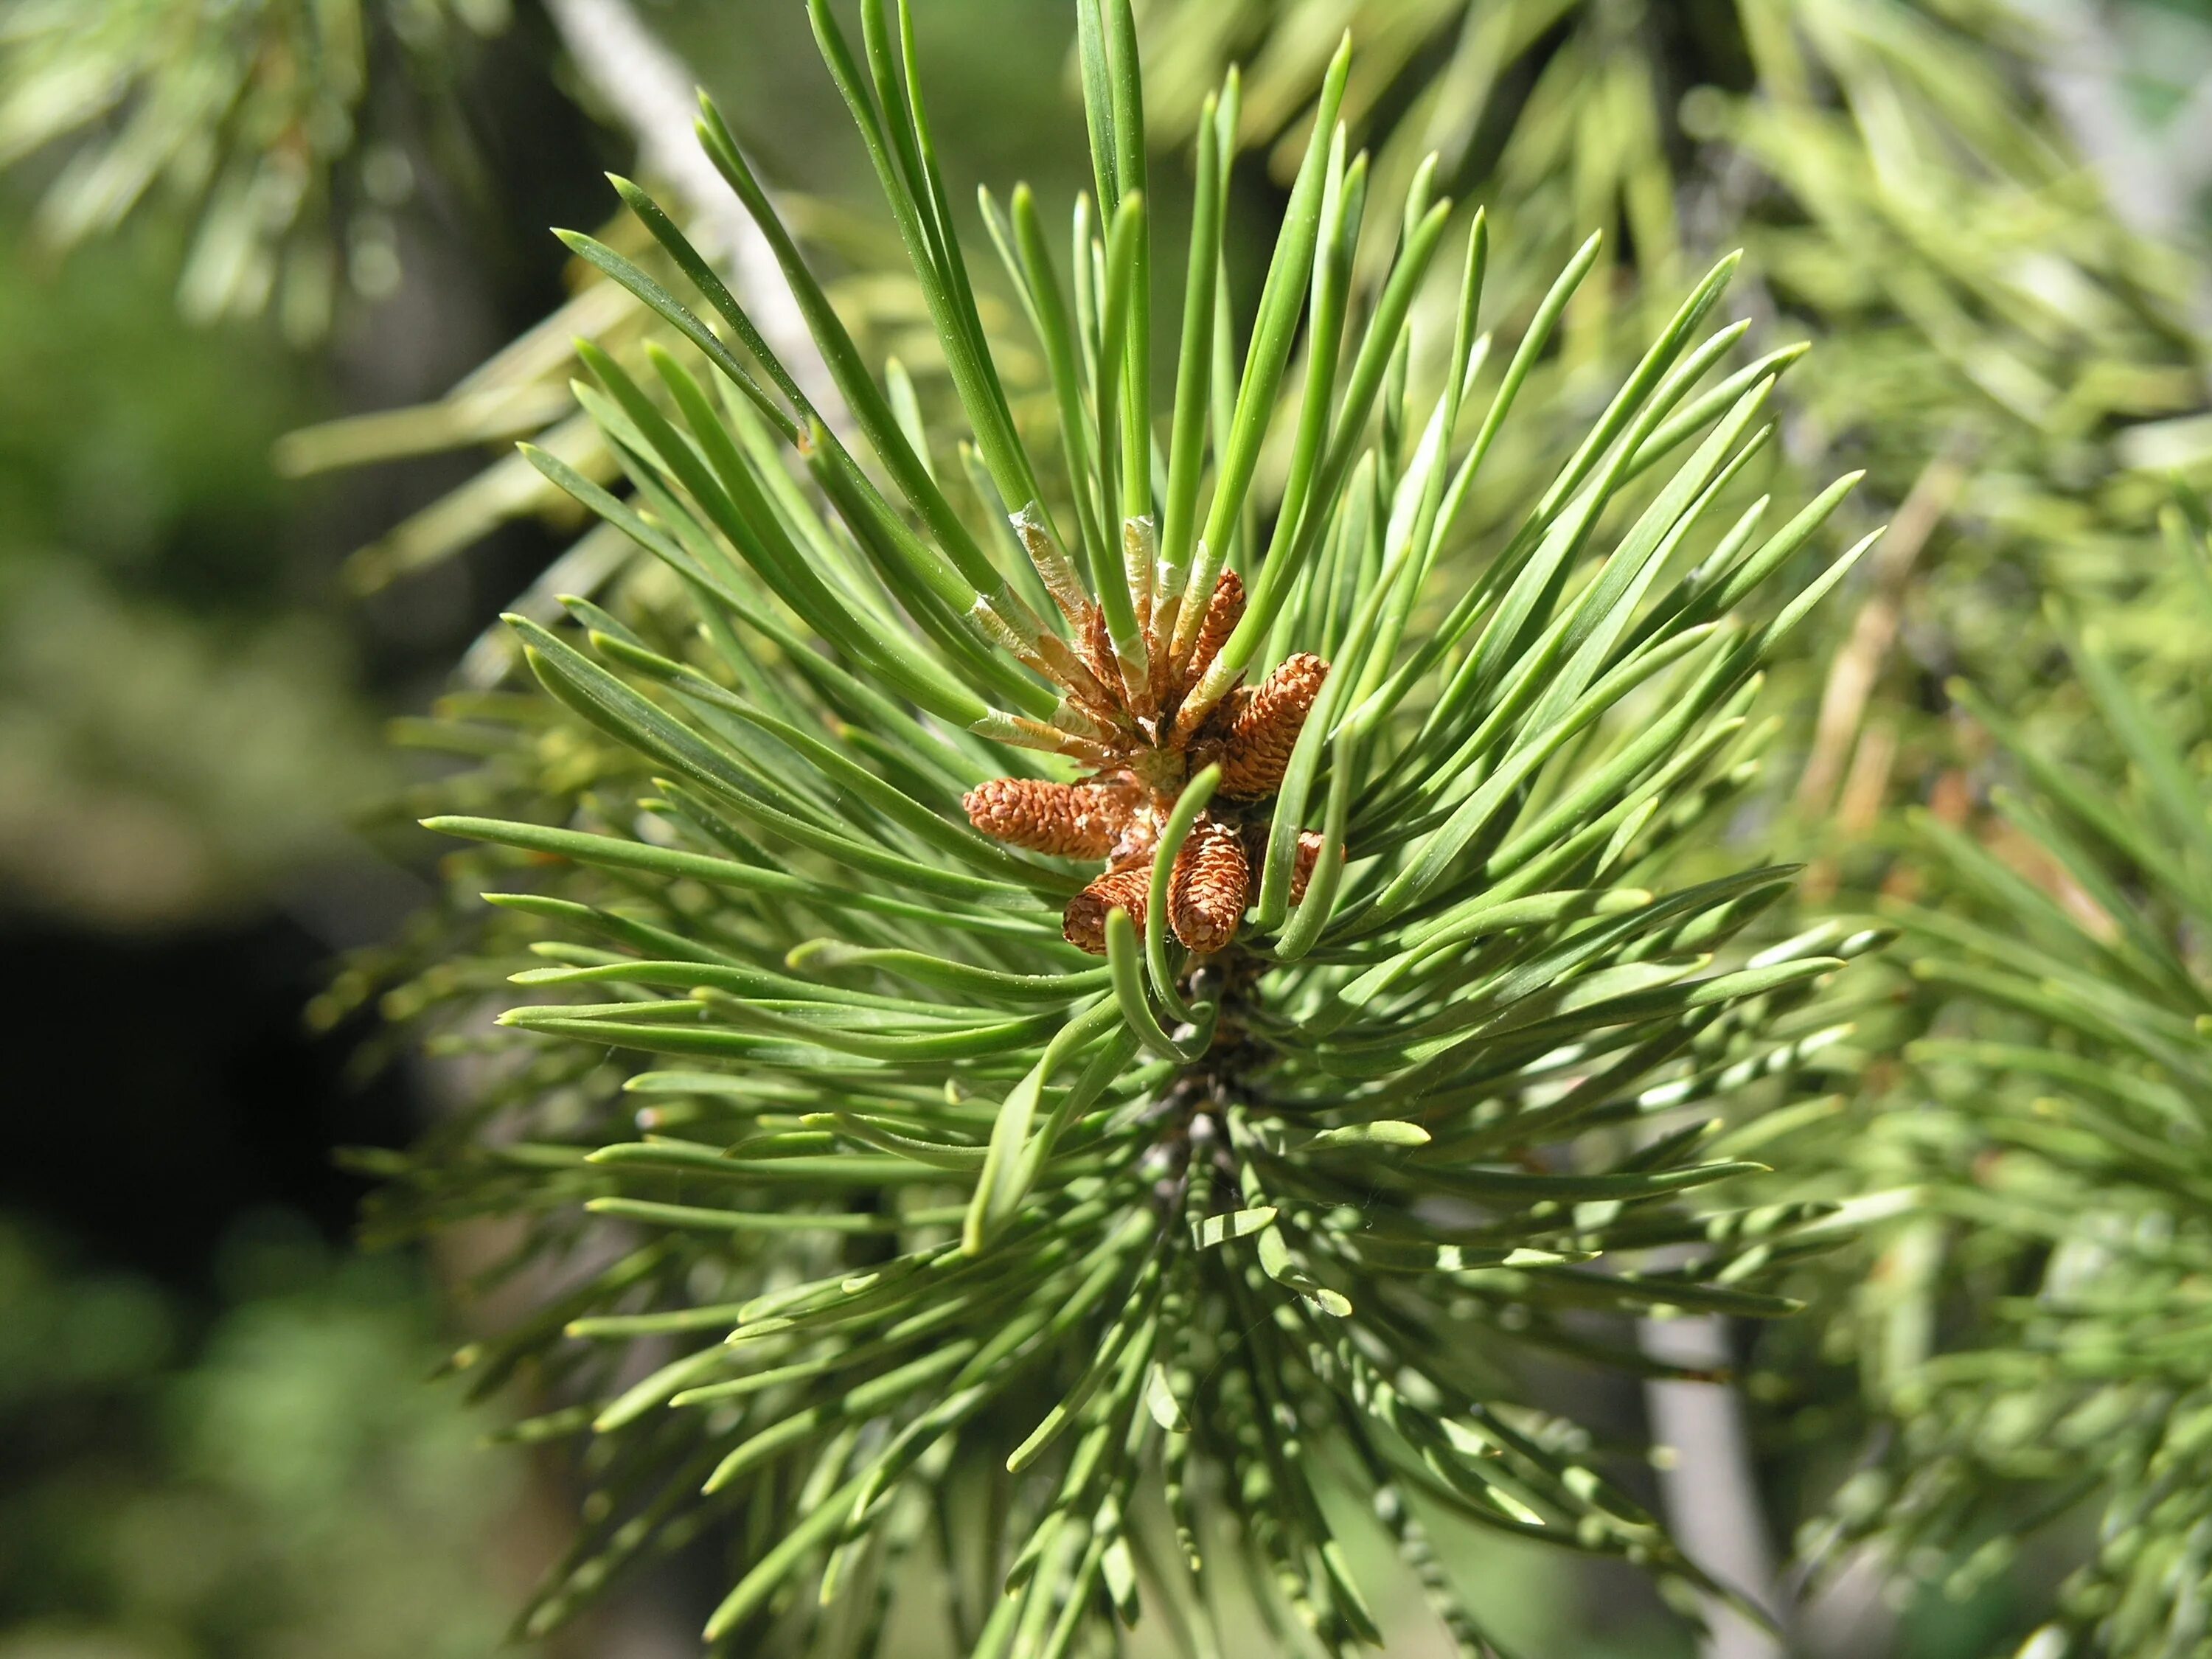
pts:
[1072, 820]
[1223, 612]
[1302, 865]
[1265, 729]
[1207, 889]
[1143, 744]
[1099, 655]
[1083, 924]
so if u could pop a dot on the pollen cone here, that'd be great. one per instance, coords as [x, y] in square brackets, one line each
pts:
[1265, 729]
[1223, 612]
[1073, 820]
[1207, 890]
[1083, 924]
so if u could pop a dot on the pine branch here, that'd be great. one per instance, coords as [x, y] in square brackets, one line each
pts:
[1710, 1484]
[1134, 999]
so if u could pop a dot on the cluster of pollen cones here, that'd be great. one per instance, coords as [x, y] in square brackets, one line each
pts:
[1116, 813]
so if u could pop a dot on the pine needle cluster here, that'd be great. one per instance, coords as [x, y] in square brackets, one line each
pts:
[1907, 195]
[2039, 1332]
[936, 1237]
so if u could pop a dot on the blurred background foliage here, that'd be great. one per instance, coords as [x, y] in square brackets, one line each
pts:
[2030, 1325]
[139, 530]
[273, 1480]
[1989, 217]
[283, 133]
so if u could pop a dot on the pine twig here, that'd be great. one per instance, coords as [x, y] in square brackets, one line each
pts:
[1710, 1489]
[646, 88]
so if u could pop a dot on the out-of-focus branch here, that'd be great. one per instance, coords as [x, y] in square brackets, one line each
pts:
[1710, 1489]
[1858, 666]
[646, 88]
